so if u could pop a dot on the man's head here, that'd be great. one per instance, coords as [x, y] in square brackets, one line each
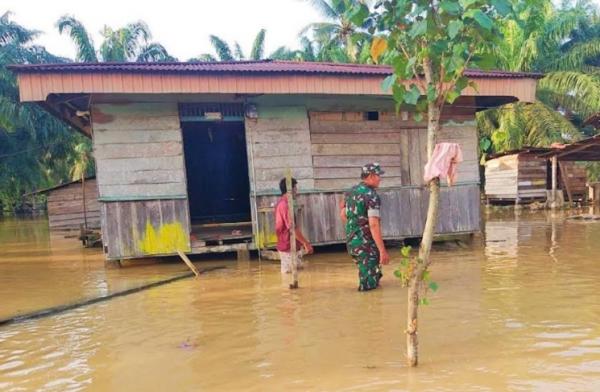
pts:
[371, 174]
[283, 186]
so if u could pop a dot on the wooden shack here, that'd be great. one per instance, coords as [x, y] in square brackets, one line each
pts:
[523, 176]
[71, 205]
[189, 155]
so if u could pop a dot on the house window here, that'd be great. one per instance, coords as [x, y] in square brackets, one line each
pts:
[371, 116]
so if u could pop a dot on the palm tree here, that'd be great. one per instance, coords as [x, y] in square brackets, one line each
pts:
[224, 52]
[128, 43]
[339, 39]
[563, 43]
[34, 147]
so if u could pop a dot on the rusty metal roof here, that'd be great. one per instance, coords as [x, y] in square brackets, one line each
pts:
[260, 66]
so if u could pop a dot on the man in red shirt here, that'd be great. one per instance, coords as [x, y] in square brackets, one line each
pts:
[282, 229]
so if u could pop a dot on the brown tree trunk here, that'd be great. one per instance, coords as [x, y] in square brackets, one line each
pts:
[412, 342]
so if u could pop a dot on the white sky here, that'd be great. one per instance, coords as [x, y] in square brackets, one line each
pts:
[182, 27]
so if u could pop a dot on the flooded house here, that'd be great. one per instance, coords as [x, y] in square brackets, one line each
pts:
[525, 175]
[189, 155]
[71, 206]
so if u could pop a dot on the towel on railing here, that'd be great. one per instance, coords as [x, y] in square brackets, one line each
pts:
[443, 162]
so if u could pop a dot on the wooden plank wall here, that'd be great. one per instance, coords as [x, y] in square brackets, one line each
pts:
[277, 140]
[577, 177]
[403, 212]
[341, 142]
[532, 183]
[501, 177]
[138, 151]
[148, 227]
[65, 206]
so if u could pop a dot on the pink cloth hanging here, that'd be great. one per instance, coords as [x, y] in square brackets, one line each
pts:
[443, 162]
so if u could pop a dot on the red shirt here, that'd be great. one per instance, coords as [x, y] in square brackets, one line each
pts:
[282, 226]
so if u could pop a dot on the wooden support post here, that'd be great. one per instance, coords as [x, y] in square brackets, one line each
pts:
[565, 178]
[553, 202]
[243, 254]
[292, 217]
[188, 263]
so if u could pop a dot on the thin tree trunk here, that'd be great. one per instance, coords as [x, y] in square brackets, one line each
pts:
[412, 342]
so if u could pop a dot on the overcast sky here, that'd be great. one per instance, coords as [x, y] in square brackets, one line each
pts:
[182, 27]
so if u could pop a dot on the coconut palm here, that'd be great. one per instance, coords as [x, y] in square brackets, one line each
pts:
[128, 43]
[338, 39]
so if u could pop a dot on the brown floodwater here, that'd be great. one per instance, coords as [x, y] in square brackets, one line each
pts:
[518, 310]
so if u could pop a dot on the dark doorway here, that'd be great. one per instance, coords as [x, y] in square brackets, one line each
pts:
[217, 171]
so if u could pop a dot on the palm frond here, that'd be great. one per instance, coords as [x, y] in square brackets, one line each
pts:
[154, 52]
[573, 88]
[203, 58]
[576, 57]
[11, 32]
[75, 29]
[221, 48]
[324, 8]
[239, 53]
[258, 47]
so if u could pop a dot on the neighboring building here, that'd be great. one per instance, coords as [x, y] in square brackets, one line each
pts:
[522, 176]
[188, 155]
[65, 205]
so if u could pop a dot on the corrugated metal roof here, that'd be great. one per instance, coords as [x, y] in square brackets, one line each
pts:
[261, 66]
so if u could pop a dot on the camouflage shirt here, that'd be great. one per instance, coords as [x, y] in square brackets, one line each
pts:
[362, 202]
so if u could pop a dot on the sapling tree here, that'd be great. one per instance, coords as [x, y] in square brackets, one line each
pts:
[430, 44]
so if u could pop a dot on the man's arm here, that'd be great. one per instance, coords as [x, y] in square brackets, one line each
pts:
[343, 211]
[375, 226]
[306, 243]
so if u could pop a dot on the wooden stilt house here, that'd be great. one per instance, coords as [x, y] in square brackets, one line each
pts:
[189, 155]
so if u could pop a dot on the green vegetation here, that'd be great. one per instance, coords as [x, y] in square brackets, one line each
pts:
[37, 150]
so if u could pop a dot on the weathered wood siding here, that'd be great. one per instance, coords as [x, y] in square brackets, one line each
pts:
[341, 142]
[404, 211]
[501, 176]
[577, 178]
[532, 180]
[141, 179]
[277, 140]
[138, 150]
[65, 206]
[148, 227]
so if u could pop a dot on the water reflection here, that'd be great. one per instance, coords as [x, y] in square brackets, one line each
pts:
[518, 311]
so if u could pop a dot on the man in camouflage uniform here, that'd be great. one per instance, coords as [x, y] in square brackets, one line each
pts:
[361, 214]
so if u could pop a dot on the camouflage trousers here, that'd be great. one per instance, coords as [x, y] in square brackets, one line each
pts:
[366, 257]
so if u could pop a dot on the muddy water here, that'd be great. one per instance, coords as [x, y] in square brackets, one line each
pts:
[519, 310]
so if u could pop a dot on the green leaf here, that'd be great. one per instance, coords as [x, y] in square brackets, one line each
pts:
[359, 14]
[454, 27]
[399, 91]
[483, 20]
[450, 7]
[412, 96]
[473, 85]
[433, 286]
[388, 82]
[467, 3]
[398, 274]
[418, 117]
[405, 251]
[426, 276]
[484, 61]
[462, 83]
[452, 95]
[400, 65]
[418, 28]
[423, 301]
[485, 144]
[502, 6]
